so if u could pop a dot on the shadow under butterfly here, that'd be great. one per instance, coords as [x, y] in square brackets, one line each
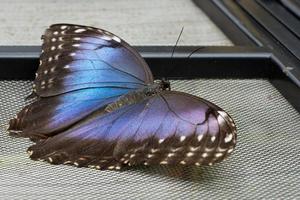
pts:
[98, 106]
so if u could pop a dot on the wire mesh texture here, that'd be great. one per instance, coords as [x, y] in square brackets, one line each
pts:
[265, 163]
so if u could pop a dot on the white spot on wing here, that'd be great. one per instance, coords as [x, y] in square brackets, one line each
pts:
[150, 155]
[171, 154]
[50, 80]
[230, 150]
[189, 154]
[79, 30]
[228, 138]
[161, 141]
[30, 153]
[194, 148]
[126, 161]
[63, 27]
[154, 150]
[199, 138]
[111, 167]
[105, 37]
[182, 138]
[219, 149]
[132, 155]
[176, 149]
[204, 155]
[218, 155]
[163, 162]
[206, 149]
[213, 138]
[117, 39]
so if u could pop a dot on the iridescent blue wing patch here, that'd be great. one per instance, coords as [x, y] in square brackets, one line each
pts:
[76, 57]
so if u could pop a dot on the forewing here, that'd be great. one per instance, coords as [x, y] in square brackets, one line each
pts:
[77, 57]
[168, 128]
[81, 70]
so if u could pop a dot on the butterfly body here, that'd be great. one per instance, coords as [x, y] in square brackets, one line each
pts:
[136, 96]
[97, 106]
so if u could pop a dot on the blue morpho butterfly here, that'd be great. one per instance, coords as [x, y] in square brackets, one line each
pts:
[98, 106]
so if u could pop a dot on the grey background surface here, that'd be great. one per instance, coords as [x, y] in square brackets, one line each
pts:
[265, 163]
[139, 22]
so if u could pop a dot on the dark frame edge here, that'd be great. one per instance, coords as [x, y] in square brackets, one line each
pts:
[21, 62]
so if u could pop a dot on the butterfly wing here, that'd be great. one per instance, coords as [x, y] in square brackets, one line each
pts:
[81, 70]
[168, 128]
[77, 57]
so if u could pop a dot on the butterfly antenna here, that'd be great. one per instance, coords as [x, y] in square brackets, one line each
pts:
[165, 81]
[195, 51]
[173, 51]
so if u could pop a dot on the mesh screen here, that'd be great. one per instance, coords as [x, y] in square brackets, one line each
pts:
[264, 165]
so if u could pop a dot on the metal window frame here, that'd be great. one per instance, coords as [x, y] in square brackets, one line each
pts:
[256, 54]
[244, 23]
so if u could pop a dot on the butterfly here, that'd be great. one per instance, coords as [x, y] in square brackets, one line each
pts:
[97, 105]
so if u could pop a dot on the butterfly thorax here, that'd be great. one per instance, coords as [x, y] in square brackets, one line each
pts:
[138, 95]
